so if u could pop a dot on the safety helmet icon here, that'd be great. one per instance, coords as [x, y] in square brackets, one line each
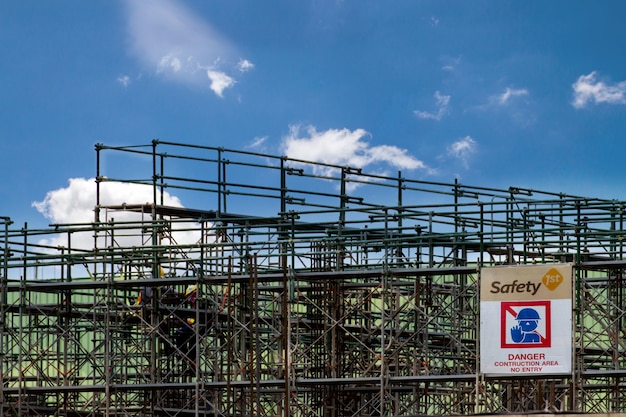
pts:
[527, 314]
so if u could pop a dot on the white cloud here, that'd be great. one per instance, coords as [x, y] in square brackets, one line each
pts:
[509, 103]
[587, 89]
[169, 63]
[178, 45]
[258, 142]
[73, 204]
[219, 81]
[343, 147]
[124, 80]
[76, 202]
[442, 108]
[245, 65]
[462, 149]
[450, 63]
[509, 93]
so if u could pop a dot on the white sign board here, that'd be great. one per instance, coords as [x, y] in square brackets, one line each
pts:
[526, 320]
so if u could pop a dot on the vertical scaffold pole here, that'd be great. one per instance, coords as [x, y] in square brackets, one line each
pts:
[98, 179]
[221, 182]
[155, 236]
[286, 335]
[402, 257]
[229, 402]
[285, 299]
[155, 226]
[22, 400]
[3, 292]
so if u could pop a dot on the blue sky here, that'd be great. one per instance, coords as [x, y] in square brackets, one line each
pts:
[492, 93]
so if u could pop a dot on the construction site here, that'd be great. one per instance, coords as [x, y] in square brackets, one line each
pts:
[283, 287]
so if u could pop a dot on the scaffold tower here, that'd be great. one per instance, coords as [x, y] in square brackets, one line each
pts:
[286, 288]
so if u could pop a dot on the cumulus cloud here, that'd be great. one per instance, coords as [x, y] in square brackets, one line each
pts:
[178, 45]
[343, 147]
[76, 202]
[442, 103]
[462, 149]
[588, 89]
[219, 81]
[509, 93]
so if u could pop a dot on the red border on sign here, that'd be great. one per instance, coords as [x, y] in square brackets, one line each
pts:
[506, 308]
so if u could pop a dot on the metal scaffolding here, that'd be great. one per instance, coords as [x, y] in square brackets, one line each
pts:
[295, 289]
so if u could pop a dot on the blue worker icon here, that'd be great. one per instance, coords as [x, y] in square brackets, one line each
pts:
[525, 330]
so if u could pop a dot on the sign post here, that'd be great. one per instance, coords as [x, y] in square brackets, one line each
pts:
[526, 320]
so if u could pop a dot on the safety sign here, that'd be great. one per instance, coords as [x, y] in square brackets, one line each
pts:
[520, 332]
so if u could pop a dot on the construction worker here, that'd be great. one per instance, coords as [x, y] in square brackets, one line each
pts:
[185, 338]
[191, 295]
[144, 296]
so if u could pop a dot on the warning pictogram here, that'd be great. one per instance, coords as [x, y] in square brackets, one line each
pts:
[525, 324]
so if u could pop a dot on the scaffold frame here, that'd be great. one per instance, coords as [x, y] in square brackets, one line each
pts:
[295, 288]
